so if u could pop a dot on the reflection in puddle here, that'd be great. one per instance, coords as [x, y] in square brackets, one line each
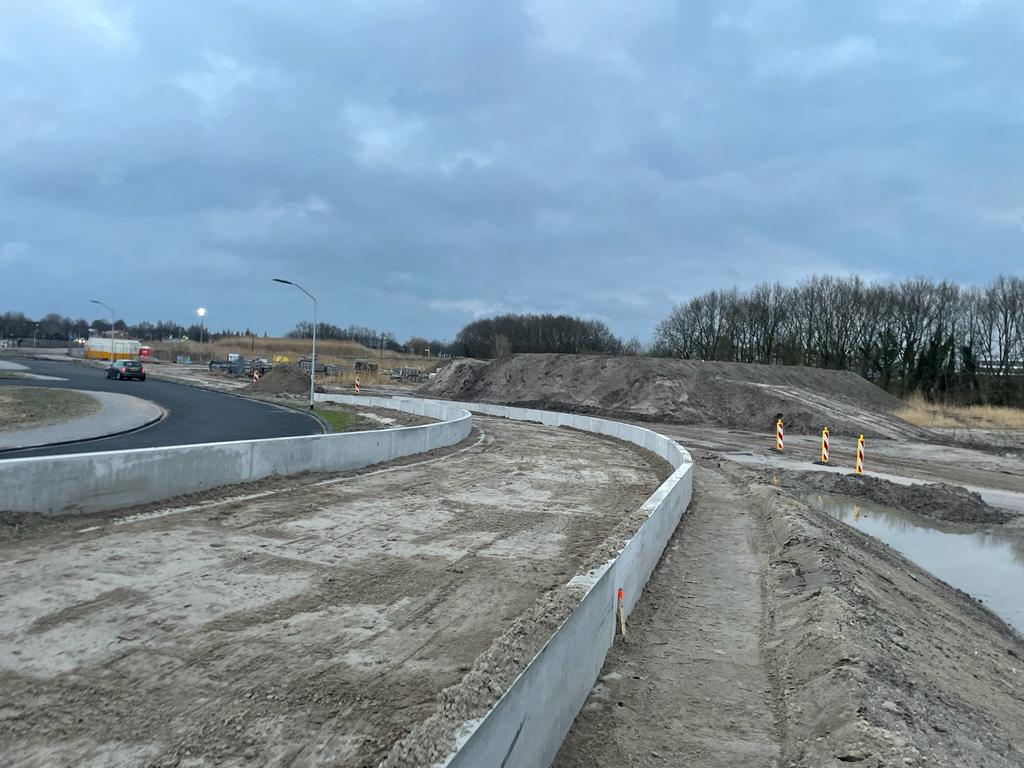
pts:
[982, 564]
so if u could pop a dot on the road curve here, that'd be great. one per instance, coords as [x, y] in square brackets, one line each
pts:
[193, 415]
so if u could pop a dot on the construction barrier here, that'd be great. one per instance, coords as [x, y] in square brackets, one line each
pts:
[860, 455]
[824, 445]
[778, 435]
[527, 724]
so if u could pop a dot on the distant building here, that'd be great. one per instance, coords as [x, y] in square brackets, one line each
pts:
[98, 348]
[989, 365]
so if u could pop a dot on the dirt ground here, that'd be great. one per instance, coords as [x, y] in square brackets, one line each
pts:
[773, 635]
[306, 621]
[686, 686]
[733, 395]
[988, 466]
[31, 407]
[939, 501]
[281, 380]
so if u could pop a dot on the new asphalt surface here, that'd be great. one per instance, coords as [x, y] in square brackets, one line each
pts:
[193, 415]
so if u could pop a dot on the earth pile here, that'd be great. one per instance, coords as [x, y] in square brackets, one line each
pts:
[731, 395]
[282, 380]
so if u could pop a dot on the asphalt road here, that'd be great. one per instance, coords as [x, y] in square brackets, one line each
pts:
[193, 415]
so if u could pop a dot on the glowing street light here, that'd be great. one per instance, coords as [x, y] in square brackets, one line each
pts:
[202, 313]
[312, 362]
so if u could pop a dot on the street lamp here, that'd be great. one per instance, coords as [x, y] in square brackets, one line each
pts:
[202, 313]
[312, 363]
[94, 301]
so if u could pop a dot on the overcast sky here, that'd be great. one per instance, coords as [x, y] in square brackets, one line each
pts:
[420, 164]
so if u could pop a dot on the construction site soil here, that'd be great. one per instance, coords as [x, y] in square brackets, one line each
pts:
[772, 634]
[734, 395]
[303, 621]
[939, 501]
[282, 380]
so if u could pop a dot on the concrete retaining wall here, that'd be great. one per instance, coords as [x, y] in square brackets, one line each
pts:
[59, 486]
[527, 725]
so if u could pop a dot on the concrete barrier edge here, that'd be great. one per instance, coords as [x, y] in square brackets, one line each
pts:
[76, 484]
[526, 726]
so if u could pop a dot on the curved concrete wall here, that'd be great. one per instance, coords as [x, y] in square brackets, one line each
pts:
[58, 486]
[527, 725]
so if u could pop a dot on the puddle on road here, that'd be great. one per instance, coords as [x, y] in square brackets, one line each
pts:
[983, 564]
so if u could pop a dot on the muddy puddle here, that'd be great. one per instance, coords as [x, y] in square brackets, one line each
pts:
[984, 564]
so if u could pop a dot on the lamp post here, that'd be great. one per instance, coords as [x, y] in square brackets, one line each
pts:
[312, 362]
[202, 313]
[94, 301]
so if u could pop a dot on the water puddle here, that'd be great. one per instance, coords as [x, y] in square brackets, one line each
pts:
[984, 564]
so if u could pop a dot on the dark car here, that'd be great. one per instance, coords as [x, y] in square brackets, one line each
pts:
[126, 369]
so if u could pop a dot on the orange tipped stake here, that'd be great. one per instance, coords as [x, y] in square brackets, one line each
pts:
[622, 615]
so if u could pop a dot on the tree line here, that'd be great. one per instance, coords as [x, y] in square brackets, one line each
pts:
[368, 337]
[56, 327]
[507, 334]
[946, 341]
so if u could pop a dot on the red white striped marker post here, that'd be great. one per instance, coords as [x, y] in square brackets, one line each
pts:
[778, 435]
[860, 455]
[357, 385]
[824, 445]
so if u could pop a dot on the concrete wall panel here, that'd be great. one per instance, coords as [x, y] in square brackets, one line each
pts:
[526, 726]
[59, 486]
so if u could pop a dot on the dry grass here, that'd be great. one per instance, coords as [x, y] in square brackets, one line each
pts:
[933, 415]
[328, 351]
[31, 407]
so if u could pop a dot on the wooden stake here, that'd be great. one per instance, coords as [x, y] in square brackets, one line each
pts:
[622, 616]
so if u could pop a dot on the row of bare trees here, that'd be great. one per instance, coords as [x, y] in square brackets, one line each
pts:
[944, 340]
[504, 335]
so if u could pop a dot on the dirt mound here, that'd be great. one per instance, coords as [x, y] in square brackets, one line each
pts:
[935, 500]
[733, 395]
[878, 663]
[282, 380]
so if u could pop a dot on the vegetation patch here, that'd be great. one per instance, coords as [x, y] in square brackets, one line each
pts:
[937, 415]
[340, 421]
[31, 407]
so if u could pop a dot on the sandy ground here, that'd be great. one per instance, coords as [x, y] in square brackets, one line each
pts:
[310, 626]
[771, 634]
[687, 685]
[731, 395]
[970, 467]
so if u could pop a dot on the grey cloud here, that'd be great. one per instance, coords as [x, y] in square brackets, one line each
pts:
[425, 162]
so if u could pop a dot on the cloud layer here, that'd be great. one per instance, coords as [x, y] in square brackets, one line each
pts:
[419, 164]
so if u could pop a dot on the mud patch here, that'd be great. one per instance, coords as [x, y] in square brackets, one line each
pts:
[938, 501]
[876, 662]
